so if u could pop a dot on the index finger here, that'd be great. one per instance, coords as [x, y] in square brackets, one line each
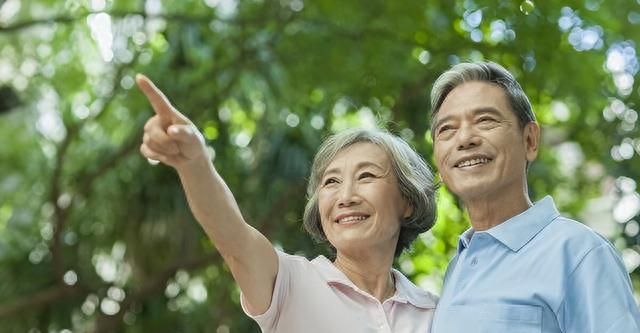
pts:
[158, 100]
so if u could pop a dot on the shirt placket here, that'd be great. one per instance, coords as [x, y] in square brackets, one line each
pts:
[380, 317]
[469, 260]
[479, 243]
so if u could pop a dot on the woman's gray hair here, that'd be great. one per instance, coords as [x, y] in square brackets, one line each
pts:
[482, 71]
[415, 182]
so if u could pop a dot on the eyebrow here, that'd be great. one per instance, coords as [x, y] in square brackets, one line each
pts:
[440, 121]
[475, 112]
[360, 165]
[488, 110]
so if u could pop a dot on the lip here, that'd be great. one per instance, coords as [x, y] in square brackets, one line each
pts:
[351, 214]
[471, 158]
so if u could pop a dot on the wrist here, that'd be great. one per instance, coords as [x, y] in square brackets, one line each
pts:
[195, 166]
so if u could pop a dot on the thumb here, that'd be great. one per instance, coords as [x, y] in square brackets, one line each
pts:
[160, 103]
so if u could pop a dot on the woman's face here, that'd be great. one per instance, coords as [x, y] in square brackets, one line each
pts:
[359, 200]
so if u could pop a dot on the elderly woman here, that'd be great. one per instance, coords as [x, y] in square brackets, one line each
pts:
[370, 195]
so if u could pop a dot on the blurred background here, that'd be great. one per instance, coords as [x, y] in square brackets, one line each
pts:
[94, 239]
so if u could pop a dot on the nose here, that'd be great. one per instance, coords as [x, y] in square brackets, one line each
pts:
[348, 195]
[467, 138]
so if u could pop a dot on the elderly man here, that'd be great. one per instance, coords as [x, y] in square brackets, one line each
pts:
[521, 267]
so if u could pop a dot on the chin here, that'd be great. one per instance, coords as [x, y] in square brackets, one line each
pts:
[351, 243]
[467, 193]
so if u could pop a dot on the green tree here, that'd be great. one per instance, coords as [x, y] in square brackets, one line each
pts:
[93, 238]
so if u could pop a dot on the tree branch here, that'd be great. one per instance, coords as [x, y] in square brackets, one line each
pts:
[70, 19]
[39, 300]
[60, 213]
[85, 181]
[107, 323]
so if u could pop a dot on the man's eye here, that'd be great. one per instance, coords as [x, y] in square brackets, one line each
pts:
[444, 128]
[486, 120]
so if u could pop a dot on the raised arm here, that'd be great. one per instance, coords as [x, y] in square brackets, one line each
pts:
[171, 138]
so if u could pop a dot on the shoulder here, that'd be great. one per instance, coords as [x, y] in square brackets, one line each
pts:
[556, 231]
[574, 235]
[292, 258]
[575, 242]
[293, 262]
[303, 269]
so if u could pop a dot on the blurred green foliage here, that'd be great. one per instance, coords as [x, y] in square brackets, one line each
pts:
[93, 239]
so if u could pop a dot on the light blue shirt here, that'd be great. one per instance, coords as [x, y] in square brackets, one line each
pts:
[537, 272]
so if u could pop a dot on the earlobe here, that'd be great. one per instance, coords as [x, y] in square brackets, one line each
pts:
[531, 140]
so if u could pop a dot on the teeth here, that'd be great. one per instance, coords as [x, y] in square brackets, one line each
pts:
[351, 218]
[474, 161]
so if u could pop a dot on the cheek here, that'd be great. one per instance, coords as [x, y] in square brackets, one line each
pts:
[389, 201]
[324, 215]
[440, 161]
[438, 153]
[324, 203]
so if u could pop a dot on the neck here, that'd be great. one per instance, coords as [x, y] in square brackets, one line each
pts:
[371, 274]
[489, 211]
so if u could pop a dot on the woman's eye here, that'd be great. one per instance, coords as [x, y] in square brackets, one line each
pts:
[330, 181]
[366, 175]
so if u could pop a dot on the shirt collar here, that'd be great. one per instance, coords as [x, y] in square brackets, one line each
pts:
[465, 239]
[517, 231]
[406, 291]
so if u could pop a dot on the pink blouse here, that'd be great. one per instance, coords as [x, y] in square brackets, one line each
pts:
[314, 296]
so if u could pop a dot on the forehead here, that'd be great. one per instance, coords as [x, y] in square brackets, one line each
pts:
[359, 153]
[472, 96]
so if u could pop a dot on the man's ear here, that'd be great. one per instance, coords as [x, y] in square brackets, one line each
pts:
[531, 135]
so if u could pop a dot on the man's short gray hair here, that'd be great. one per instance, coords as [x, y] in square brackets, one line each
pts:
[415, 181]
[487, 72]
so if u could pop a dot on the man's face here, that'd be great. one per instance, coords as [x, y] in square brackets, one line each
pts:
[480, 150]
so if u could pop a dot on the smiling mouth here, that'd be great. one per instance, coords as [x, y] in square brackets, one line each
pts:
[352, 219]
[473, 162]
